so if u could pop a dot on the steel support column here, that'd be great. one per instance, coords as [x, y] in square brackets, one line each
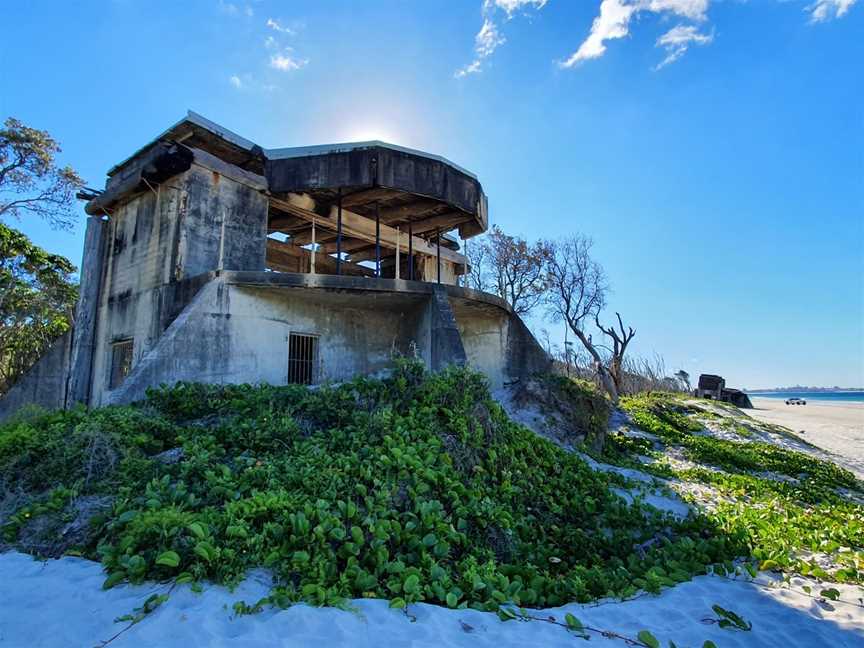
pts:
[410, 251]
[378, 239]
[339, 231]
[438, 248]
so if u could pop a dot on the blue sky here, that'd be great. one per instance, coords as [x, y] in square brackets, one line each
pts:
[712, 149]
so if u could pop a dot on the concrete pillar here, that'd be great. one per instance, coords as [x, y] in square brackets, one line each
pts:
[84, 325]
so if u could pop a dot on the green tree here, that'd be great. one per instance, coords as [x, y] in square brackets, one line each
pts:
[37, 297]
[31, 182]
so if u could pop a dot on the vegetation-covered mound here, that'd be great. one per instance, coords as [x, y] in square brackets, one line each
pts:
[571, 411]
[790, 510]
[417, 487]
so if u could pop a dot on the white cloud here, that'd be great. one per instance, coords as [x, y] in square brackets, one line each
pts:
[270, 43]
[279, 27]
[692, 9]
[286, 62]
[512, 6]
[823, 10]
[487, 40]
[234, 10]
[677, 40]
[490, 38]
[471, 68]
[613, 22]
[235, 81]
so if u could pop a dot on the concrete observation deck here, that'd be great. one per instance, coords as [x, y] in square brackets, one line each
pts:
[209, 258]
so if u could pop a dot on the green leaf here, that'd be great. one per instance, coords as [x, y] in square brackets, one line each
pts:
[114, 579]
[452, 600]
[832, 593]
[398, 603]
[411, 584]
[197, 530]
[168, 559]
[648, 639]
[206, 551]
[128, 516]
[572, 622]
[709, 644]
[506, 613]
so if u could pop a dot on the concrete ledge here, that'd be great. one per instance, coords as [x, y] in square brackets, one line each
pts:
[362, 284]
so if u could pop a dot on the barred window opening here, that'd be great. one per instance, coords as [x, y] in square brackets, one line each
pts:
[302, 357]
[121, 362]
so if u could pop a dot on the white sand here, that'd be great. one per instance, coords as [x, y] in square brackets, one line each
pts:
[60, 604]
[833, 426]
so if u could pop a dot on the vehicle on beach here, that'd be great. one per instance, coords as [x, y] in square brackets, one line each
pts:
[796, 401]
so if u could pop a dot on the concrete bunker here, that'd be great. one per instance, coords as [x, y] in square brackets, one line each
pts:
[208, 258]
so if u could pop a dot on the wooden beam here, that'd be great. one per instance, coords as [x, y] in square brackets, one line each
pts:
[359, 227]
[284, 222]
[443, 222]
[284, 257]
[408, 210]
[365, 196]
[355, 244]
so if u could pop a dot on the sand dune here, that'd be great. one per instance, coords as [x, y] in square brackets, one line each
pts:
[60, 604]
[833, 426]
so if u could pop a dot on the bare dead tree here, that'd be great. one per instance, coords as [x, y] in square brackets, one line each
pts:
[620, 337]
[518, 269]
[478, 265]
[577, 289]
[509, 267]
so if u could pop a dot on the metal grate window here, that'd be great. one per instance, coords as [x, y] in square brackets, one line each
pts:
[302, 356]
[121, 362]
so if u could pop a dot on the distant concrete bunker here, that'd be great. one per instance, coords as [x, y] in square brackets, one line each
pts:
[210, 259]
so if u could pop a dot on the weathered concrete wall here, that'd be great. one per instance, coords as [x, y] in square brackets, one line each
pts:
[239, 334]
[195, 223]
[357, 333]
[223, 224]
[445, 343]
[484, 332]
[497, 342]
[236, 330]
[524, 355]
[45, 384]
[84, 332]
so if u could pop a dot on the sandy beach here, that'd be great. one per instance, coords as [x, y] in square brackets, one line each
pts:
[837, 427]
[60, 604]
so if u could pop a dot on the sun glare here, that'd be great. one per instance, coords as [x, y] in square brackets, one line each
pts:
[372, 132]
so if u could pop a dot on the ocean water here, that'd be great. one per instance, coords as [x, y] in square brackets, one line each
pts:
[842, 396]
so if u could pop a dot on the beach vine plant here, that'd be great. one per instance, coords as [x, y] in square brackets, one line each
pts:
[412, 488]
[416, 487]
[788, 508]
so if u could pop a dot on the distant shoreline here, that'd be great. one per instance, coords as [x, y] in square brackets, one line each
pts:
[825, 396]
[807, 390]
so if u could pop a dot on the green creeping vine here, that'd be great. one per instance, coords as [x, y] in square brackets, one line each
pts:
[781, 523]
[413, 488]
